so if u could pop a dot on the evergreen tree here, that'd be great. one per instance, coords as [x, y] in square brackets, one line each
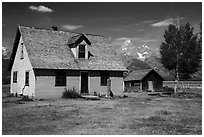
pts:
[181, 51]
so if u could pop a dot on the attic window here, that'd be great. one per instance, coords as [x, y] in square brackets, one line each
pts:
[81, 51]
[104, 78]
[22, 51]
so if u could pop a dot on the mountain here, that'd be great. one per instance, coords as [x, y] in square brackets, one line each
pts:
[136, 56]
[5, 61]
[138, 52]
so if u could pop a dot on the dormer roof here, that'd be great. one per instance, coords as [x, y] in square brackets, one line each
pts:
[78, 39]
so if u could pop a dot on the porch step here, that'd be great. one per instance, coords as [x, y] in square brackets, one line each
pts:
[91, 97]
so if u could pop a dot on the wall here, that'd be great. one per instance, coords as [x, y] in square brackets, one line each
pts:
[117, 85]
[157, 81]
[133, 86]
[22, 65]
[45, 83]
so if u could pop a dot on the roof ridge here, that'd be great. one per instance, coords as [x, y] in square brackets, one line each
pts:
[79, 33]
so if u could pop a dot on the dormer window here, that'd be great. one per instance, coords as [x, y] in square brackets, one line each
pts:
[82, 52]
[79, 45]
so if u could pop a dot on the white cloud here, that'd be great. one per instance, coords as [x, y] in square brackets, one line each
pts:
[149, 40]
[164, 23]
[146, 22]
[40, 8]
[71, 27]
[126, 38]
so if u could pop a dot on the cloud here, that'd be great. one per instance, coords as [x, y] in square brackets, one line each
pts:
[41, 9]
[148, 21]
[135, 39]
[145, 22]
[166, 22]
[71, 27]
[149, 40]
[126, 38]
[163, 23]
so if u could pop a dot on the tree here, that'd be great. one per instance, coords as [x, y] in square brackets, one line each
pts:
[181, 51]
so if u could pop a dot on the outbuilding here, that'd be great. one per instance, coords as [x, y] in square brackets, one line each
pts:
[143, 80]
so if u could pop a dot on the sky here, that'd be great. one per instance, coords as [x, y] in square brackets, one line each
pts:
[143, 23]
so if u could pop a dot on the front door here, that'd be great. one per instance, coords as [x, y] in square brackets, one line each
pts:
[84, 82]
[150, 85]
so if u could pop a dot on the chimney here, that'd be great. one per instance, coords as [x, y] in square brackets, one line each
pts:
[54, 28]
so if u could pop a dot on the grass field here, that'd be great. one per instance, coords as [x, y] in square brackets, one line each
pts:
[137, 114]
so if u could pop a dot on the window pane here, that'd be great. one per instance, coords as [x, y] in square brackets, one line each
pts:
[82, 48]
[60, 78]
[81, 51]
[104, 78]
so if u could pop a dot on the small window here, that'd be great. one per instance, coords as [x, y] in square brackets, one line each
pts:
[60, 78]
[81, 51]
[104, 78]
[22, 51]
[27, 78]
[15, 76]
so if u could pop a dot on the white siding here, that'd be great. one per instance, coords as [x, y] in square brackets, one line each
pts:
[21, 66]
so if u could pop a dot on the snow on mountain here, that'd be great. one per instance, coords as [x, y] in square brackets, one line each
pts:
[139, 52]
[5, 52]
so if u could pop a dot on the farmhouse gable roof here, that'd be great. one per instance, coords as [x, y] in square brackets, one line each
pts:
[48, 49]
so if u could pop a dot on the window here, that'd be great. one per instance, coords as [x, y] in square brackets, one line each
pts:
[15, 77]
[22, 51]
[81, 51]
[27, 78]
[104, 78]
[60, 78]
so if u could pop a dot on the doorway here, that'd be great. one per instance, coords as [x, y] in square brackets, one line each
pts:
[84, 82]
[150, 86]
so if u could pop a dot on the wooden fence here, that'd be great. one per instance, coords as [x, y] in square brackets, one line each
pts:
[184, 84]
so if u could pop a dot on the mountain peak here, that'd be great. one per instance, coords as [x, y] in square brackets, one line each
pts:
[5, 52]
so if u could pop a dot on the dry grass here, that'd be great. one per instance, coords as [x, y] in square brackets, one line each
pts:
[136, 114]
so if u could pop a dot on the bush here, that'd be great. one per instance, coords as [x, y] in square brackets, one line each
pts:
[168, 90]
[26, 98]
[70, 93]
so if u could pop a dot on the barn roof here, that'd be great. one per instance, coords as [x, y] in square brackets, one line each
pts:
[48, 49]
[139, 74]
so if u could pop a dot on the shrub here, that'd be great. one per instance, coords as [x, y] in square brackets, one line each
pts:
[70, 93]
[26, 98]
[10, 95]
[168, 90]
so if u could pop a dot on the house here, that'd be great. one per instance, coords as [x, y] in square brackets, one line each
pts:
[143, 80]
[46, 61]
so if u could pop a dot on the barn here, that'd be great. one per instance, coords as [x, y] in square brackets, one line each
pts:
[46, 61]
[143, 80]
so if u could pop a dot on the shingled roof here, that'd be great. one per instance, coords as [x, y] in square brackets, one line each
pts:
[48, 49]
[137, 74]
